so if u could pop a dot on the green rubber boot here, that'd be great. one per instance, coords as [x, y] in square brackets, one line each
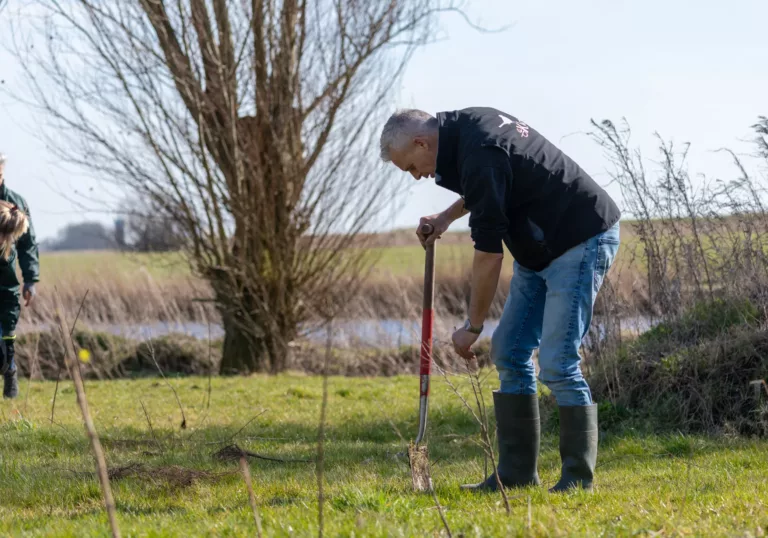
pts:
[578, 448]
[519, 435]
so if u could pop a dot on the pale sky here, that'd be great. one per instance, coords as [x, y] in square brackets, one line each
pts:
[694, 70]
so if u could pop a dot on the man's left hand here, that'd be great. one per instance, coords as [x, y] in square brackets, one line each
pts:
[29, 294]
[462, 341]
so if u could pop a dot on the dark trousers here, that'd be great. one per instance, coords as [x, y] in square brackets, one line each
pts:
[10, 309]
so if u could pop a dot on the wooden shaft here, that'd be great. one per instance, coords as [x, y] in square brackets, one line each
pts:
[429, 270]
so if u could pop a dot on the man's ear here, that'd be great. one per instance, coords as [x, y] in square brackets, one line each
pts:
[421, 141]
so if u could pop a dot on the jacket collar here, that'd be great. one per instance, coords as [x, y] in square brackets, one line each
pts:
[3, 192]
[446, 170]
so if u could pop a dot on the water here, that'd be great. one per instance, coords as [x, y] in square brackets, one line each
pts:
[376, 333]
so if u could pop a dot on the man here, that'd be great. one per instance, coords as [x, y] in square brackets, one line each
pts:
[10, 308]
[562, 230]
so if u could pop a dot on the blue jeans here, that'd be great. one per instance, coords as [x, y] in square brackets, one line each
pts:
[552, 310]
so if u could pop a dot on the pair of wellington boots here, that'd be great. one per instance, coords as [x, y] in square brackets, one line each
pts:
[519, 434]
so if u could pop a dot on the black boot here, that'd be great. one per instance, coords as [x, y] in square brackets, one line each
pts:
[578, 447]
[519, 433]
[11, 383]
[10, 376]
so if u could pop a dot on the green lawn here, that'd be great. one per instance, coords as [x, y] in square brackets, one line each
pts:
[646, 485]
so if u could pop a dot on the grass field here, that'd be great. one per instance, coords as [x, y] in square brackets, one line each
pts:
[402, 257]
[647, 485]
[63, 266]
[401, 260]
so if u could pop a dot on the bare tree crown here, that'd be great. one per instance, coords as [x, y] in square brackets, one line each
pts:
[403, 126]
[246, 123]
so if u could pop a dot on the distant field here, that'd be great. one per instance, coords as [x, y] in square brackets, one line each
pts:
[405, 257]
[59, 266]
[405, 260]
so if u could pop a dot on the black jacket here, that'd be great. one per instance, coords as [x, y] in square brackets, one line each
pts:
[518, 187]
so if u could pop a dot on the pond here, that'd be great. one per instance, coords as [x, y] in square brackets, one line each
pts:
[377, 333]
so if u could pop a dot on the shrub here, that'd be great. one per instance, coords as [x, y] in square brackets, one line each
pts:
[693, 373]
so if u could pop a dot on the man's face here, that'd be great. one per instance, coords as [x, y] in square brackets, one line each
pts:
[419, 158]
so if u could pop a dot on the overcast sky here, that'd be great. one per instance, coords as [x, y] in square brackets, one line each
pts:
[693, 70]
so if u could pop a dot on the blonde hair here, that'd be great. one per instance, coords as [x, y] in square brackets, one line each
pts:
[13, 224]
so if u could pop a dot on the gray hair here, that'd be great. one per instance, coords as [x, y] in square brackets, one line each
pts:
[401, 127]
[2, 159]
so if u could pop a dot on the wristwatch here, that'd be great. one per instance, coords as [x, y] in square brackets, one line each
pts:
[475, 330]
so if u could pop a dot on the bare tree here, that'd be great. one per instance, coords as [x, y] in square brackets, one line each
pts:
[249, 123]
[144, 227]
[698, 241]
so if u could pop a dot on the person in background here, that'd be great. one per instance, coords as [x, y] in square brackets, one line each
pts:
[17, 240]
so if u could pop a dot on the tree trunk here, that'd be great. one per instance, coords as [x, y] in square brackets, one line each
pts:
[242, 354]
[254, 343]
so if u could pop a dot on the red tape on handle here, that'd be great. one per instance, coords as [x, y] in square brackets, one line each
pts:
[425, 363]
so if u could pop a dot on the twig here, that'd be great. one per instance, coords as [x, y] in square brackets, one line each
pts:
[228, 441]
[181, 408]
[199, 428]
[70, 434]
[233, 452]
[439, 508]
[256, 438]
[101, 464]
[55, 392]
[486, 439]
[529, 524]
[71, 333]
[396, 430]
[321, 434]
[687, 484]
[251, 496]
[151, 430]
[79, 310]
[460, 396]
[32, 363]
[210, 366]
[482, 420]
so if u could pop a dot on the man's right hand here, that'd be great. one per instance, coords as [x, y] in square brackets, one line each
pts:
[439, 222]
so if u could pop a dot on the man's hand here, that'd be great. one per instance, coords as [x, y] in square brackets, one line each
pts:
[463, 341]
[29, 293]
[440, 222]
[440, 225]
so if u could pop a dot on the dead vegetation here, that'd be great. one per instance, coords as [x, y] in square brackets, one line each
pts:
[173, 476]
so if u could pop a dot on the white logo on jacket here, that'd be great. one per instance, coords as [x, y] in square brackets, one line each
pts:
[505, 121]
[522, 128]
